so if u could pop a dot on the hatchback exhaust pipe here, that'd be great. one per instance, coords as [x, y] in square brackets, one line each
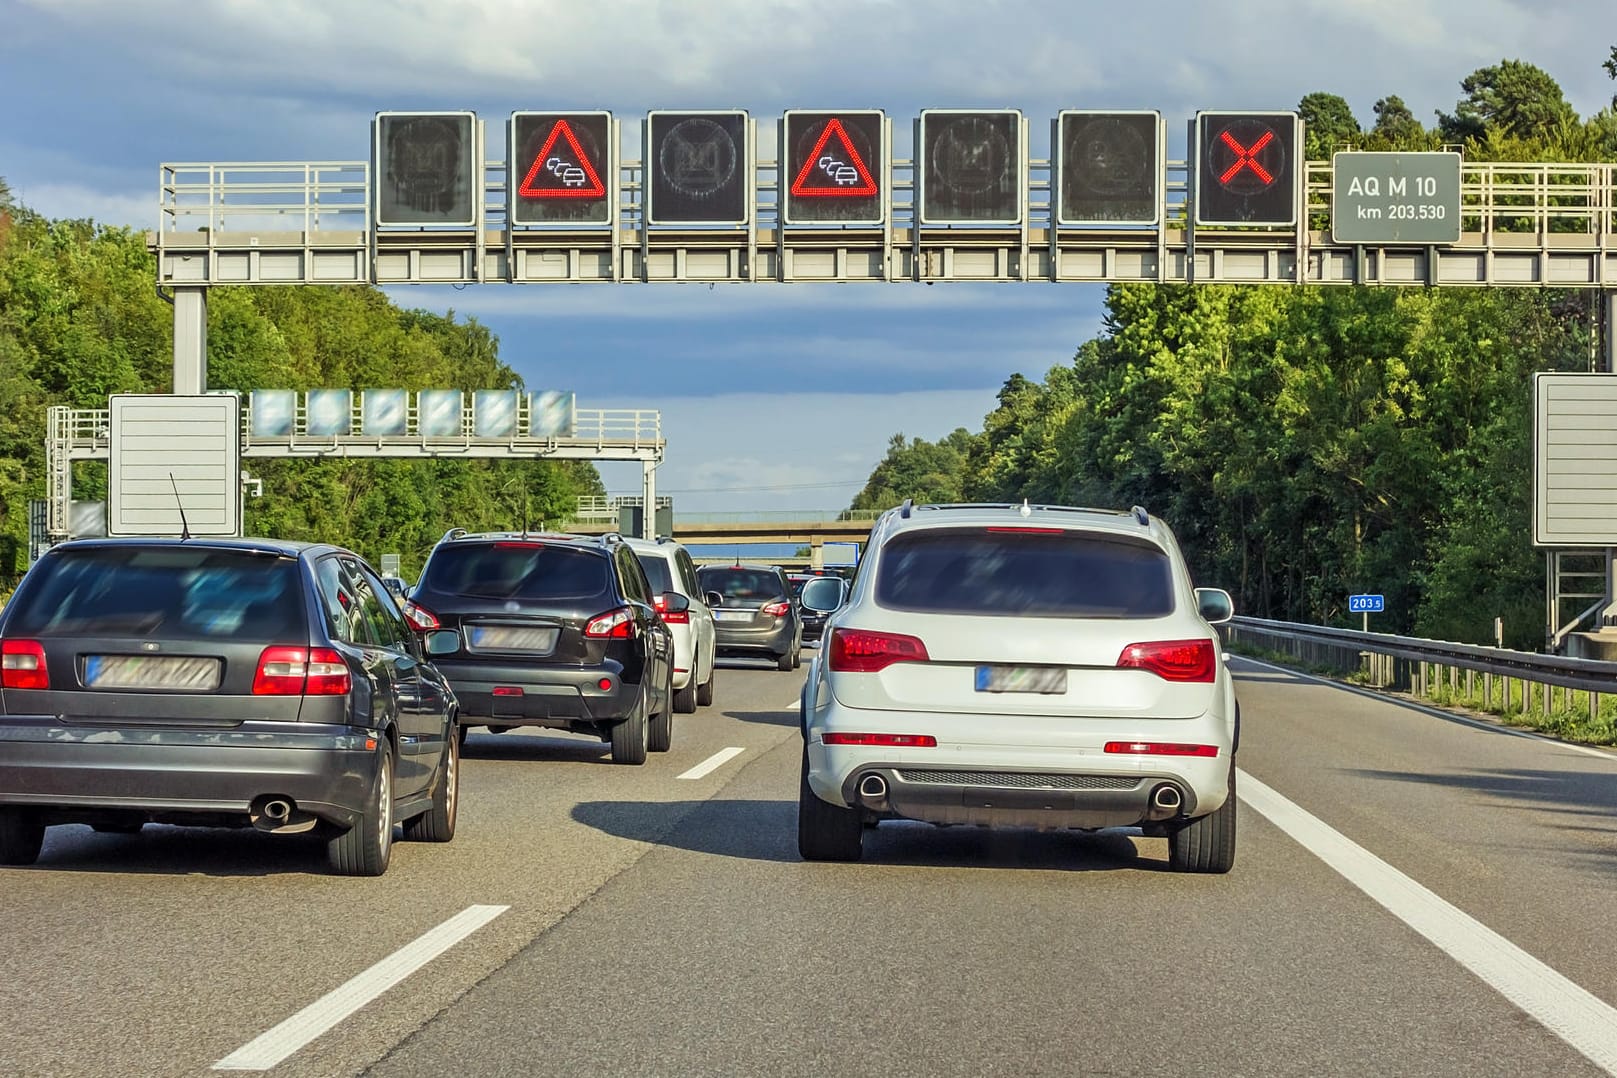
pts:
[873, 792]
[279, 815]
[1166, 801]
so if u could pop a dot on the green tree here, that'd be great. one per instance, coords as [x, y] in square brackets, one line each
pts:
[1513, 98]
[1396, 126]
[1329, 125]
[917, 469]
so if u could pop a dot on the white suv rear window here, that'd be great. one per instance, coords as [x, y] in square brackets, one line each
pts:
[1024, 572]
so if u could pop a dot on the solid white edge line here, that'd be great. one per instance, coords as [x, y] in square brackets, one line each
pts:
[1436, 712]
[275, 1045]
[712, 763]
[1572, 1013]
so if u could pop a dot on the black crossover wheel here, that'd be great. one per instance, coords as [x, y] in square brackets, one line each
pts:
[629, 737]
[437, 824]
[826, 832]
[22, 834]
[1207, 843]
[365, 848]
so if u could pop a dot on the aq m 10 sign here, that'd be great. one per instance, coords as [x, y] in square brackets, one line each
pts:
[834, 167]
[1247, 168]
[562, 168]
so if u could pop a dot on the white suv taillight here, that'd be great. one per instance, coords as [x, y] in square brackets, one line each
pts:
[1173, 660]
[865, 652]
[616, 624]
[22, 665]
[291, 671]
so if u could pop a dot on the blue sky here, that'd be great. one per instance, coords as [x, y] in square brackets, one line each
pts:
[773, 397]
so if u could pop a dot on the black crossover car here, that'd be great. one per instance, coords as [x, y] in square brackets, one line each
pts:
[229, 682]
[551, 630]
[757, 613]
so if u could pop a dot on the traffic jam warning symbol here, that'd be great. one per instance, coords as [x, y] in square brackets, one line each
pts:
[562, 173]
[560, 168]
[835, 173]
[836, 162]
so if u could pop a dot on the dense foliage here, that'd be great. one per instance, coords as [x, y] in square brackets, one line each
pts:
[1307, 443]
[80, 318]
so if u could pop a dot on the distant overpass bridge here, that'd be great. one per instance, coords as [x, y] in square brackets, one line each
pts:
[795, 527]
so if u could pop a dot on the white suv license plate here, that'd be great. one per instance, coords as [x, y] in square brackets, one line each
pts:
[1048, 680]
[151, 672]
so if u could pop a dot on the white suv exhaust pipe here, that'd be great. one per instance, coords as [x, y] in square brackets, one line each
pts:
[873, 792]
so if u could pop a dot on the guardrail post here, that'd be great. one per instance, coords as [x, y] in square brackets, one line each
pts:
[1470, 684]
[1487, 691]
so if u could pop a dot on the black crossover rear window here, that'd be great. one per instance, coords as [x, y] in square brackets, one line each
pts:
[741, 585]
[172, 592]
[517, 570]
[1042, 574]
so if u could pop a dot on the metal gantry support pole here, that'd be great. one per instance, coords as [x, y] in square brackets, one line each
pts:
[648, 486]
[190, 340]
[1608, 364]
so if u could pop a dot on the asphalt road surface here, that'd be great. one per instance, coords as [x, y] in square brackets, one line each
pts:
[1413, 895]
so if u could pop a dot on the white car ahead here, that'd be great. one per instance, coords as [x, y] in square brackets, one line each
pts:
[1022, 666]
[669, 568]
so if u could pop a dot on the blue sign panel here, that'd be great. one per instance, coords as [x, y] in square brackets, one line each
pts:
[1366, 604]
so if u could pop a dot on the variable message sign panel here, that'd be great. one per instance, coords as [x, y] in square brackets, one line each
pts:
[426, 168]
[1109, 167]
[1246, 168]
[699, 168]
[562, 168]
[834, 167]
[972, 166]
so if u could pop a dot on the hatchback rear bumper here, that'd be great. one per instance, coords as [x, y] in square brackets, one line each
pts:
[775, 640]
[326, 771]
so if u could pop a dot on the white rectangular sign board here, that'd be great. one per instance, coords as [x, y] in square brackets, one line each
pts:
[1575, 460]
[169, 453]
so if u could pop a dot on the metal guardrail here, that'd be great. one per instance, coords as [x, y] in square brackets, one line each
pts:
[783, 516]
[1427, 661]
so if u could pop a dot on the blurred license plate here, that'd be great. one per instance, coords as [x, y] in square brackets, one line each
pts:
[732, 615]
[1041, 679]
[513, 638]
[151, 672]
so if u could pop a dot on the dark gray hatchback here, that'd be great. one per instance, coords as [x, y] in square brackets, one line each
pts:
[227, 682]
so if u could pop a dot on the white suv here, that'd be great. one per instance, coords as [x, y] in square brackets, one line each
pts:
[1022, 666]
[669, 567]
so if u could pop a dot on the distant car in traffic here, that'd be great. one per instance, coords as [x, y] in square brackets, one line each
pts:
[756, 613]
[1023, 666]
[550, 630]
[670, 570]
[817, 599]
[220, 682]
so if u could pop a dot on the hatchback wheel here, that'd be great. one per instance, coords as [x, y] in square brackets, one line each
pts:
[1206, 844]
[22, 835]
[826, 832]
[365, 848]
[437, 824]
[685, 699]
[783, 662]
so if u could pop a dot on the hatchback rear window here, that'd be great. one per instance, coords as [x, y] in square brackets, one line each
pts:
[517, 570]
[656, 573]
[1038, 574]
[174, 592]
[742, 585]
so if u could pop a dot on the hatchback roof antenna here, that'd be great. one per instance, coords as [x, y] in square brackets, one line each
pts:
[185, 528]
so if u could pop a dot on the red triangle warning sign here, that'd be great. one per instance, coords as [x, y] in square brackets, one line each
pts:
[837, 173]
[566, 173]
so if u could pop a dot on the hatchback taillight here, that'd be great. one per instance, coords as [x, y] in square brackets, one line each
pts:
[419, 617]
[22, 665]
[864, 651]
[777, 610]
[616, 624]
[1172, 660]
[291, 671]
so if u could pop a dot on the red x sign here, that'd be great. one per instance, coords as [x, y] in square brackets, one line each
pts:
[1246, 157]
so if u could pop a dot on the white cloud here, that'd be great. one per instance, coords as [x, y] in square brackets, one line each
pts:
[70, 200]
